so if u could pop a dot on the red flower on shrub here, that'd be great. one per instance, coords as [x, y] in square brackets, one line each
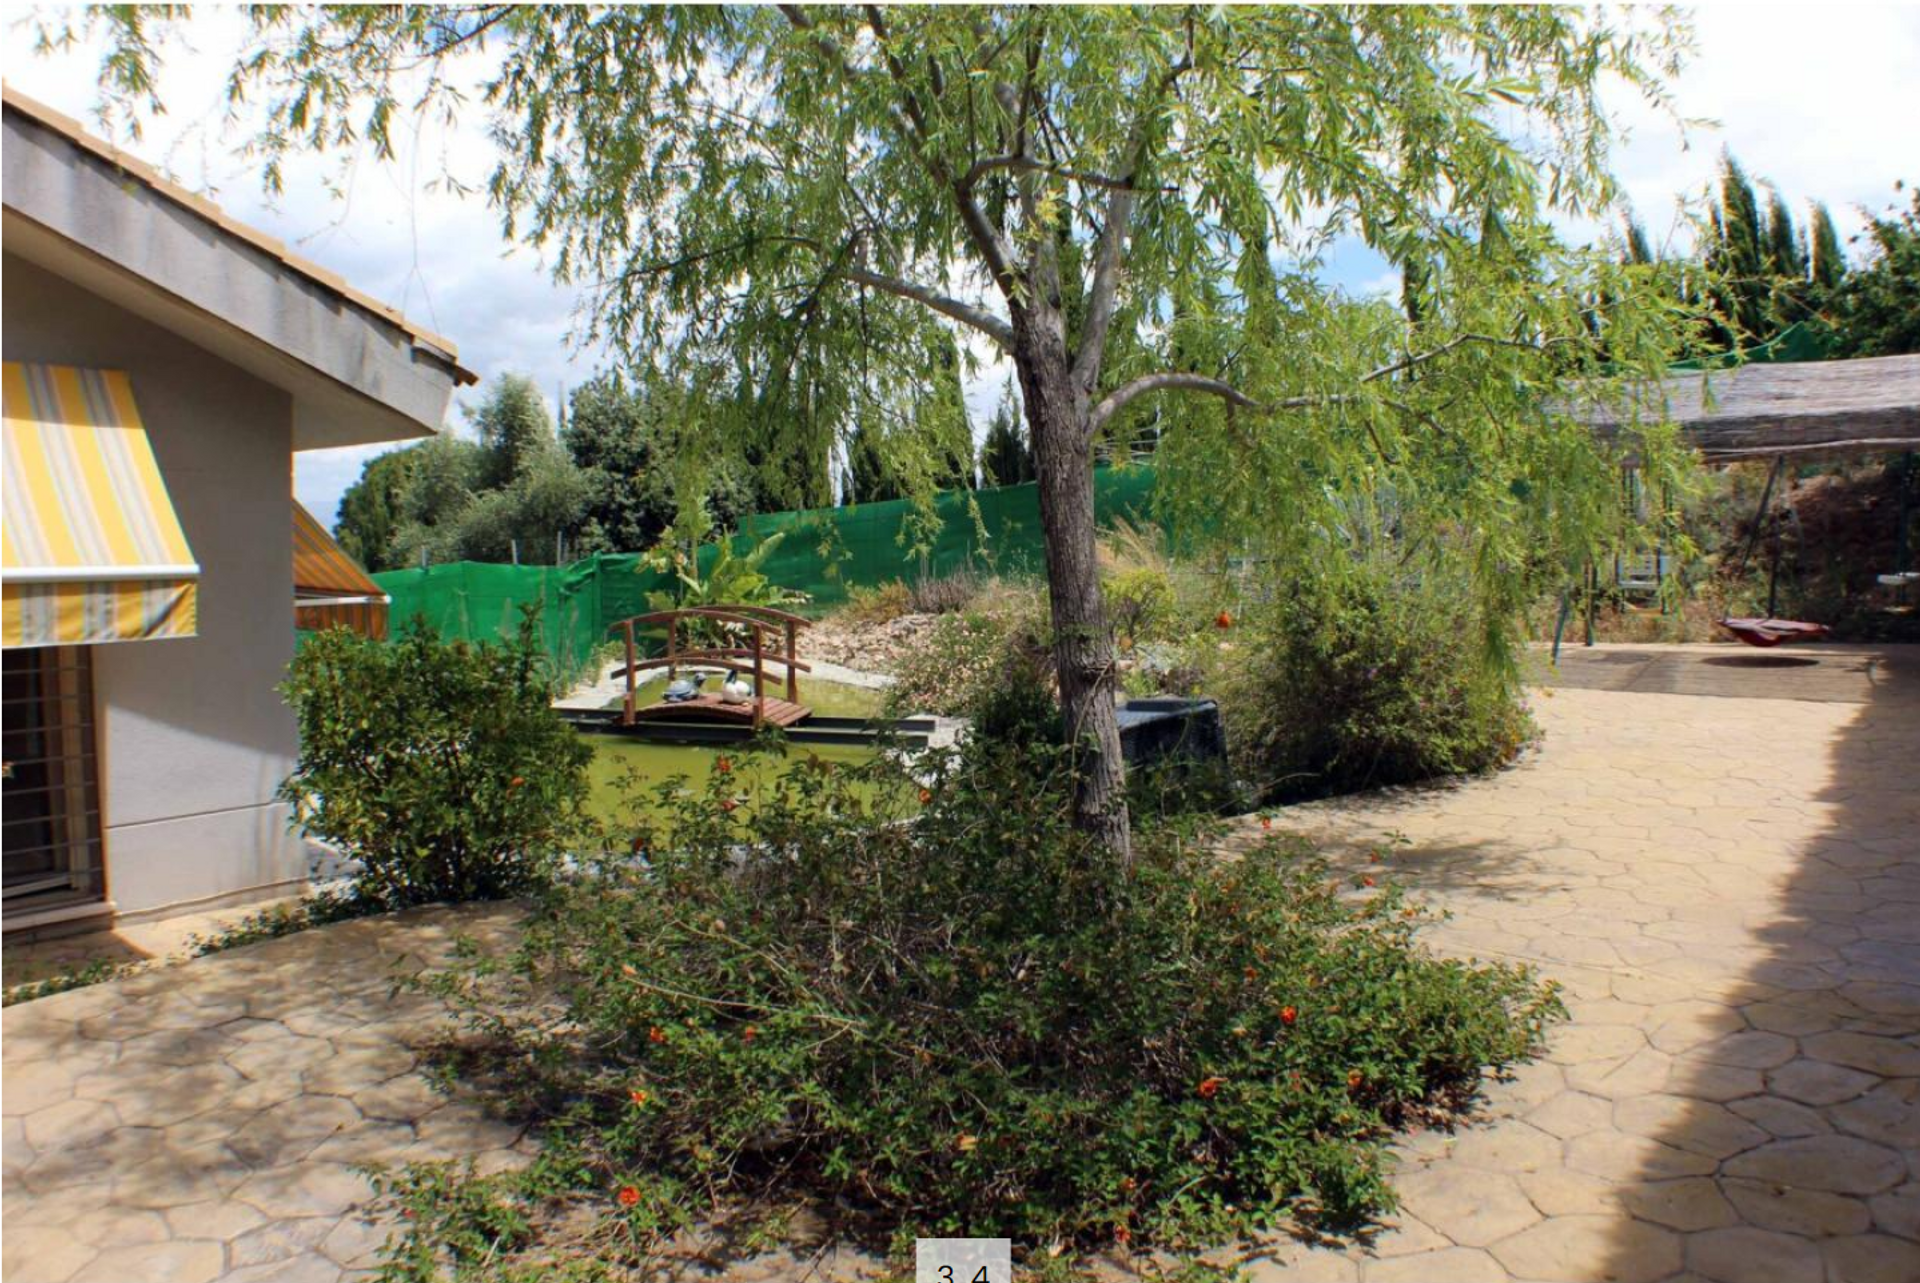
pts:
[723, 764]
[656, 1034]
[1288, 1015]
[1266, 821]
[1354, 1080]
[926, 796]
[1251, 974]
[637, 1096]
[1122, 1235]
[628, 1196]
[728, 804]
[1223, 621]
[1209, 1087]
[1367, 880]
[749, 1034]
[518, 781]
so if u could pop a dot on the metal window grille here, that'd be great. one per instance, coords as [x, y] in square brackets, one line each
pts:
[51, 820]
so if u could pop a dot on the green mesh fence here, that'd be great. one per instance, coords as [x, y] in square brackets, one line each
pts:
[825, 553]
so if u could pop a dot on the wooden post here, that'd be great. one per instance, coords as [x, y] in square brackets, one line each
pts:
[626, 718]
[793, 673]
[759, 700]
[673, 652]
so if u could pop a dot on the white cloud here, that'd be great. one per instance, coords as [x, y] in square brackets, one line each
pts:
[1820, 100]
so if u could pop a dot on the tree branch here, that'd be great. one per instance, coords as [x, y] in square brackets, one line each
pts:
[1459, 341]
[979, 228]
[1030, 164]
[1182, 381]
[1104, 291]
[965, 313]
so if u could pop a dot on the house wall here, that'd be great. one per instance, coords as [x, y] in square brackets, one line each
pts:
[194, 737]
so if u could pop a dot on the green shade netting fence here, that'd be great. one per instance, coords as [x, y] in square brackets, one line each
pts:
[826, 552]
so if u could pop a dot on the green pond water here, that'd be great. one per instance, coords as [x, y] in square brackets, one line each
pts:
[614, 757]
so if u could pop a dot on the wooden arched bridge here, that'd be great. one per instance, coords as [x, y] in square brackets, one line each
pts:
[738, 640]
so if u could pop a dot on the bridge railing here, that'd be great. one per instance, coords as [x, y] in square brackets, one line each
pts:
[759, 621]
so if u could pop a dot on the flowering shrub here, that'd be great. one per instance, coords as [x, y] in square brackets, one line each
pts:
[437, 765]
[965, 1017]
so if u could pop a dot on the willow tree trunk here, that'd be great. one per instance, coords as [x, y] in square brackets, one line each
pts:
[1083, 641]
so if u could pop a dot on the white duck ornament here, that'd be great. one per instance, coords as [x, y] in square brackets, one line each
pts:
[736, 690]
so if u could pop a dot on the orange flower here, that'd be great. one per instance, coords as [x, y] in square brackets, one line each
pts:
[517, 782]
[1122, 1235]
[1223, 621]
[1128, 1185]
[1367, 880]
[1353, 1080]
[749, 1034]
[723, 764]
[656, 1034]
[1288, 1015]
[1210, 1087]
[637, 1096]
[1251, 974]
[926, 796]
[1266, 821]
[968, 1144]
[728, 804]
[628, 1196]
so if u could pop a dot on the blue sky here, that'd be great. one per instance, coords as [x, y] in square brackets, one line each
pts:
[1819, 102]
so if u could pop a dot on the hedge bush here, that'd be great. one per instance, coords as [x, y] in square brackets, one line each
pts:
[1375, 678]
[438, 766]
[930, 999]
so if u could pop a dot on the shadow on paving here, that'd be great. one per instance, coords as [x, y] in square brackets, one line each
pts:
[1802, 1111]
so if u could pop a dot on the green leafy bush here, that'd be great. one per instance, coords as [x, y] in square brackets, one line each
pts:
[1141, 606]
[439, 766]
[966, 655]
[964, 1017]
[878, 603]
[1371, 679]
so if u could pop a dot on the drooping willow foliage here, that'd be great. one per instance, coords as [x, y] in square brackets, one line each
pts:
[798, 197]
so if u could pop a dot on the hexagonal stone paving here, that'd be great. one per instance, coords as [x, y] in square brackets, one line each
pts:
[1727, 889]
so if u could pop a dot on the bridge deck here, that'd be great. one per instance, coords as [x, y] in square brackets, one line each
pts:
[711, 708]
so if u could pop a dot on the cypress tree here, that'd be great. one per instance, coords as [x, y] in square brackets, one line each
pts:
[1828, 265]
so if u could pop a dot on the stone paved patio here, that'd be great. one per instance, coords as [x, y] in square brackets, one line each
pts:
[1726, 885]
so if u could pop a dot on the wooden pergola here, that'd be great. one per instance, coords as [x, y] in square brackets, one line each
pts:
[1870, 405]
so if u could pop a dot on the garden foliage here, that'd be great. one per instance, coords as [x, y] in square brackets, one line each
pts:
[932, 999]
[1377, 676]
[438, 766]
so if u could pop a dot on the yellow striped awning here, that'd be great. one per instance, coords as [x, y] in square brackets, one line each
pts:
[329, 588]
[91, 550]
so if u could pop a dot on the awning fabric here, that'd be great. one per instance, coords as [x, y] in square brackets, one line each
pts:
[329, 589]
[91, 549]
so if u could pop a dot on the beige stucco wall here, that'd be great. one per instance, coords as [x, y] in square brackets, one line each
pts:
[194, 736]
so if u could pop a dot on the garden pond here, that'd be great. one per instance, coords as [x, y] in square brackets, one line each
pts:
[617, 760]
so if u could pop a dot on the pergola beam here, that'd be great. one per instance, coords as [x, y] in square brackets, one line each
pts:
[1866, 406]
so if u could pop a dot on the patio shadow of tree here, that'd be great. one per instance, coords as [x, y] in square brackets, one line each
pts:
[1800, 1103]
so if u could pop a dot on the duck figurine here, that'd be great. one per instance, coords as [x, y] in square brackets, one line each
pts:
[736, 690]
[686, 688]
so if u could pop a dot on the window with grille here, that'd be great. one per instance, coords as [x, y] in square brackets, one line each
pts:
[51, 788]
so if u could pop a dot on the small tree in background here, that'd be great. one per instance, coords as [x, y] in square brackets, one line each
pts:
[1005, 459]
[1877, 308]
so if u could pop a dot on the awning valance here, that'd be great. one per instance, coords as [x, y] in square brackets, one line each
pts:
[329, 588]
[92, 550]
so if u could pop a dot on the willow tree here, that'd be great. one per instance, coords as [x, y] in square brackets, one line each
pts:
[1124, 202]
